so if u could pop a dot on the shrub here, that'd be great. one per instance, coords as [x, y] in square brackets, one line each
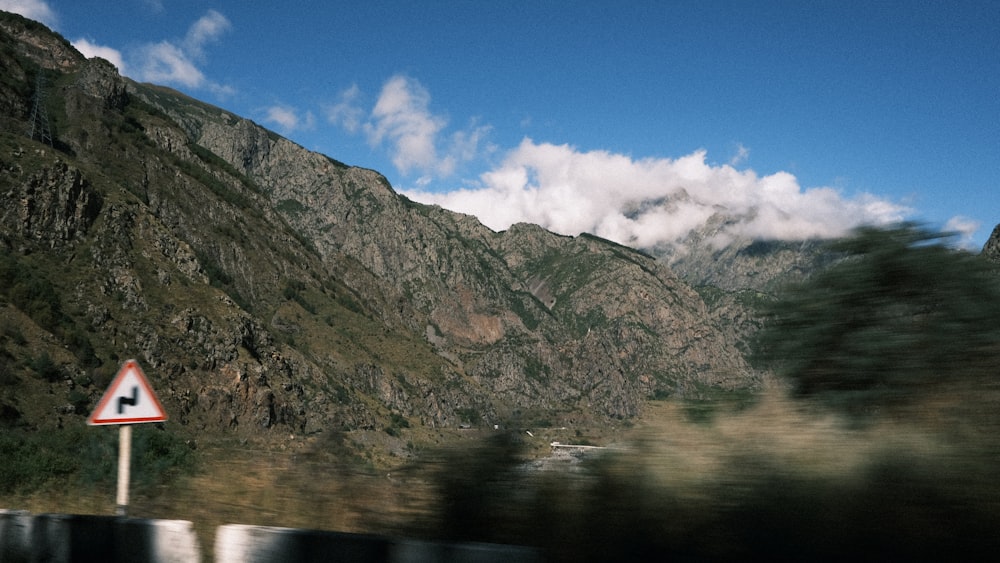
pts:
[46, 368]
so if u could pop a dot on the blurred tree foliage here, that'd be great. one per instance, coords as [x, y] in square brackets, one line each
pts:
[901, 313]
[636, 504]
[477, 491]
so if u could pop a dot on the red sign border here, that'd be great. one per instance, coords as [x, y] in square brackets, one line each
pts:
[113, 388]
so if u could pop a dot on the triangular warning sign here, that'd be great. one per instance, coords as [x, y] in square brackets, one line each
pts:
[128, 400]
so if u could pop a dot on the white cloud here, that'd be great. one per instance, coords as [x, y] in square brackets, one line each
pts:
[401, 119]
[207, 29]
[287, 119]
[221, 90]
[177, 62]
[645, 202]
[90, 50]
[966, 229]
[38, 10]
[346, 112]
[741, 155]
[465, 145]
[166, 63]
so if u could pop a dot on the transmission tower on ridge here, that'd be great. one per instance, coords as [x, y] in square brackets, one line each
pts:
[39, 117]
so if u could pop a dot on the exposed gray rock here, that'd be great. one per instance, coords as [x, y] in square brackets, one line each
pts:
[99, 79]
[991, 250]
[50, 206]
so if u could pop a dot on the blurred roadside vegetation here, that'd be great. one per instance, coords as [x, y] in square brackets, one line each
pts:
[778, 481]
[882, 442]
[903, 317]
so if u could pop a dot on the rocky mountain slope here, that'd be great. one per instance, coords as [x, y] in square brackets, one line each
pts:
[991, 250]
[265, 287]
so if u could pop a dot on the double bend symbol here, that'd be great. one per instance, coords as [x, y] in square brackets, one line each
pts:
[122, 401]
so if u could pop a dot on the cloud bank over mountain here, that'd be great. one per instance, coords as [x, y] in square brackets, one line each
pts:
[651, 201]
[638, 202]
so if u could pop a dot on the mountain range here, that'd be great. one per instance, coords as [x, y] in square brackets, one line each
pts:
[268, 290]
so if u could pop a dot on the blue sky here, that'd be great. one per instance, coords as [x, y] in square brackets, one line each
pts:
[632, 120]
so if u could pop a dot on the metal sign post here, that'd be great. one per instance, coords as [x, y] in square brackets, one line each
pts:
[124, 468]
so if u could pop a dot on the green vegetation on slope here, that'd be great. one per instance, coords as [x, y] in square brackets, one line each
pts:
[78, 456]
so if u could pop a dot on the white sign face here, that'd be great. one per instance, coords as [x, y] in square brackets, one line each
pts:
[128, 400]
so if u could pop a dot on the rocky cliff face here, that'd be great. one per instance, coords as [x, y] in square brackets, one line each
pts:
[265, 286]
[991, 250]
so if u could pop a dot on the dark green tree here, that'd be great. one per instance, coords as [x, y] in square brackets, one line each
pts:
[900, 312]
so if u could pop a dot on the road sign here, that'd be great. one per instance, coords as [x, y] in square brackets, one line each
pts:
[128, 400]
